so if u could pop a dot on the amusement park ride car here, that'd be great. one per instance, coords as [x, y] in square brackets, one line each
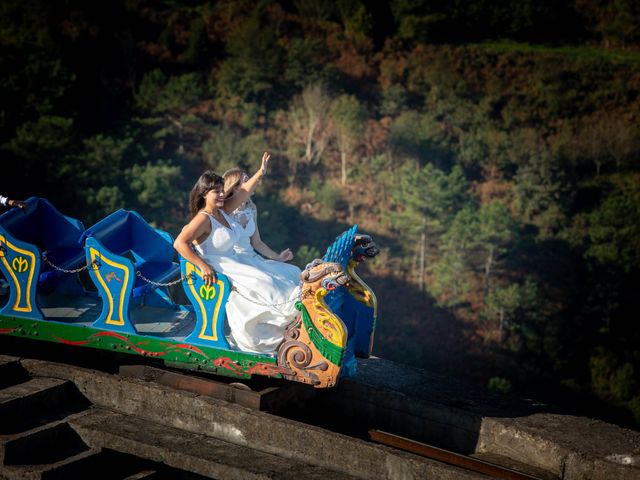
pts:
[127, 307]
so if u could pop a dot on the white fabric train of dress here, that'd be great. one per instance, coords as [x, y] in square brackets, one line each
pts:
[257, 325]
[246, 227]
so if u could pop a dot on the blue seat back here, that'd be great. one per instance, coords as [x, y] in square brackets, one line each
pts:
[44, 226]
[26, 235]
[126, 231]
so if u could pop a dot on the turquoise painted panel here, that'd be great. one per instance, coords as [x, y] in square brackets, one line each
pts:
[20, 265]
[113, 276]
[209, 304]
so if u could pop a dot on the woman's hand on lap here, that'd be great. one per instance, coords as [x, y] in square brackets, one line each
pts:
[285, 255]
[208, 275]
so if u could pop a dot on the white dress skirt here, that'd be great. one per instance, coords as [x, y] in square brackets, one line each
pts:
[263, 305]
[245, 218]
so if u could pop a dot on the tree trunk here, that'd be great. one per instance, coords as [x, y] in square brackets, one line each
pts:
[423, 247]
[293, 172]
[501, 331]
[487, 270]
[343, 157]
[308, 153]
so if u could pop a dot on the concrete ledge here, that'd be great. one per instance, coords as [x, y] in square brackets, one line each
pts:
[447, 413]
[241, 426]
[571, 447]
[188, 451]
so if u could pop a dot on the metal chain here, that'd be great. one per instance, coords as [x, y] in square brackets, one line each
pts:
[64, 270]
[263, 304]
[159, 284]
[174, 282]
[138, 273]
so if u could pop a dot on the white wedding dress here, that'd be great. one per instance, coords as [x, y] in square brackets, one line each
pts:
[263, 305]
[245, 218]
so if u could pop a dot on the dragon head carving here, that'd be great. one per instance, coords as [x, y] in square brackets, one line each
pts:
[319, 274]
[363, 248]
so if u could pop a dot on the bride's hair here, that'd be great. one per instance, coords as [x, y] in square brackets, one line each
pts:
[207, 182]
[232, 178]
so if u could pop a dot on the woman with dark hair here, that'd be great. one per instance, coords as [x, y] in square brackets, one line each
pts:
[261, 305]
[250, 244]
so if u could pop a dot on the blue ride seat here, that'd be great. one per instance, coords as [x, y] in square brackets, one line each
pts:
[26, 236]
[122, 249]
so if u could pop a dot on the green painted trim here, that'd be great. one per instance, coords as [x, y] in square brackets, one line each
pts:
[329, 350]
[215, 360]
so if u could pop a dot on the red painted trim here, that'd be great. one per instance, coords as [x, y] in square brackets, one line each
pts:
[267, 369]
[71, 342]
[192, 348]
[228, 364]
[128, 342]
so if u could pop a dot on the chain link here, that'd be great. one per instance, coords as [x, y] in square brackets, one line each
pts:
[138, 273]
[64, 270]
[174, 282]
[264, 304]
[159, 284]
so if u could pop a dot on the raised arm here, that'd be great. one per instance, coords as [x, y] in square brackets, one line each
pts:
[248, 187]
[197, 229]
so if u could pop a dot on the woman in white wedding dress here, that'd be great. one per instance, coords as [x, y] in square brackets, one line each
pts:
[250, 245]
[261, 305]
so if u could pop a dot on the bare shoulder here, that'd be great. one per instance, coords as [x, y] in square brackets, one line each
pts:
[197, 226]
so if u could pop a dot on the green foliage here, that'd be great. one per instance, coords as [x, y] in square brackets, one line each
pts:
[617, 21]
[499, 384]
[515, 309]
[104, 200]
[539, 193]
[319, 10]
[349, 119]
[254, 60]
[394, 100]
[355, 16]
[226, 147]
[159, 94]
[304, 62]
[157, 187]
[42, 138]
[198, 48]
[166, 103]
[327, 195]
[612, 379]
[305, 255]
[430, 198]
[614, 227]
[451, 279]
[419, 137]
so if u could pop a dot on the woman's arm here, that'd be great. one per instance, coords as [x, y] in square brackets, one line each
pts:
[248, 187]
[262, 248]
[195, 229]
[7, 202]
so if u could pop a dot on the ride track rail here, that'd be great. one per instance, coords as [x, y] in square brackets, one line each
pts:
[449, 457]
[274, 397]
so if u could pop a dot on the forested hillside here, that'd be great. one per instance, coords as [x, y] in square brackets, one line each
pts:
[491, 148]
